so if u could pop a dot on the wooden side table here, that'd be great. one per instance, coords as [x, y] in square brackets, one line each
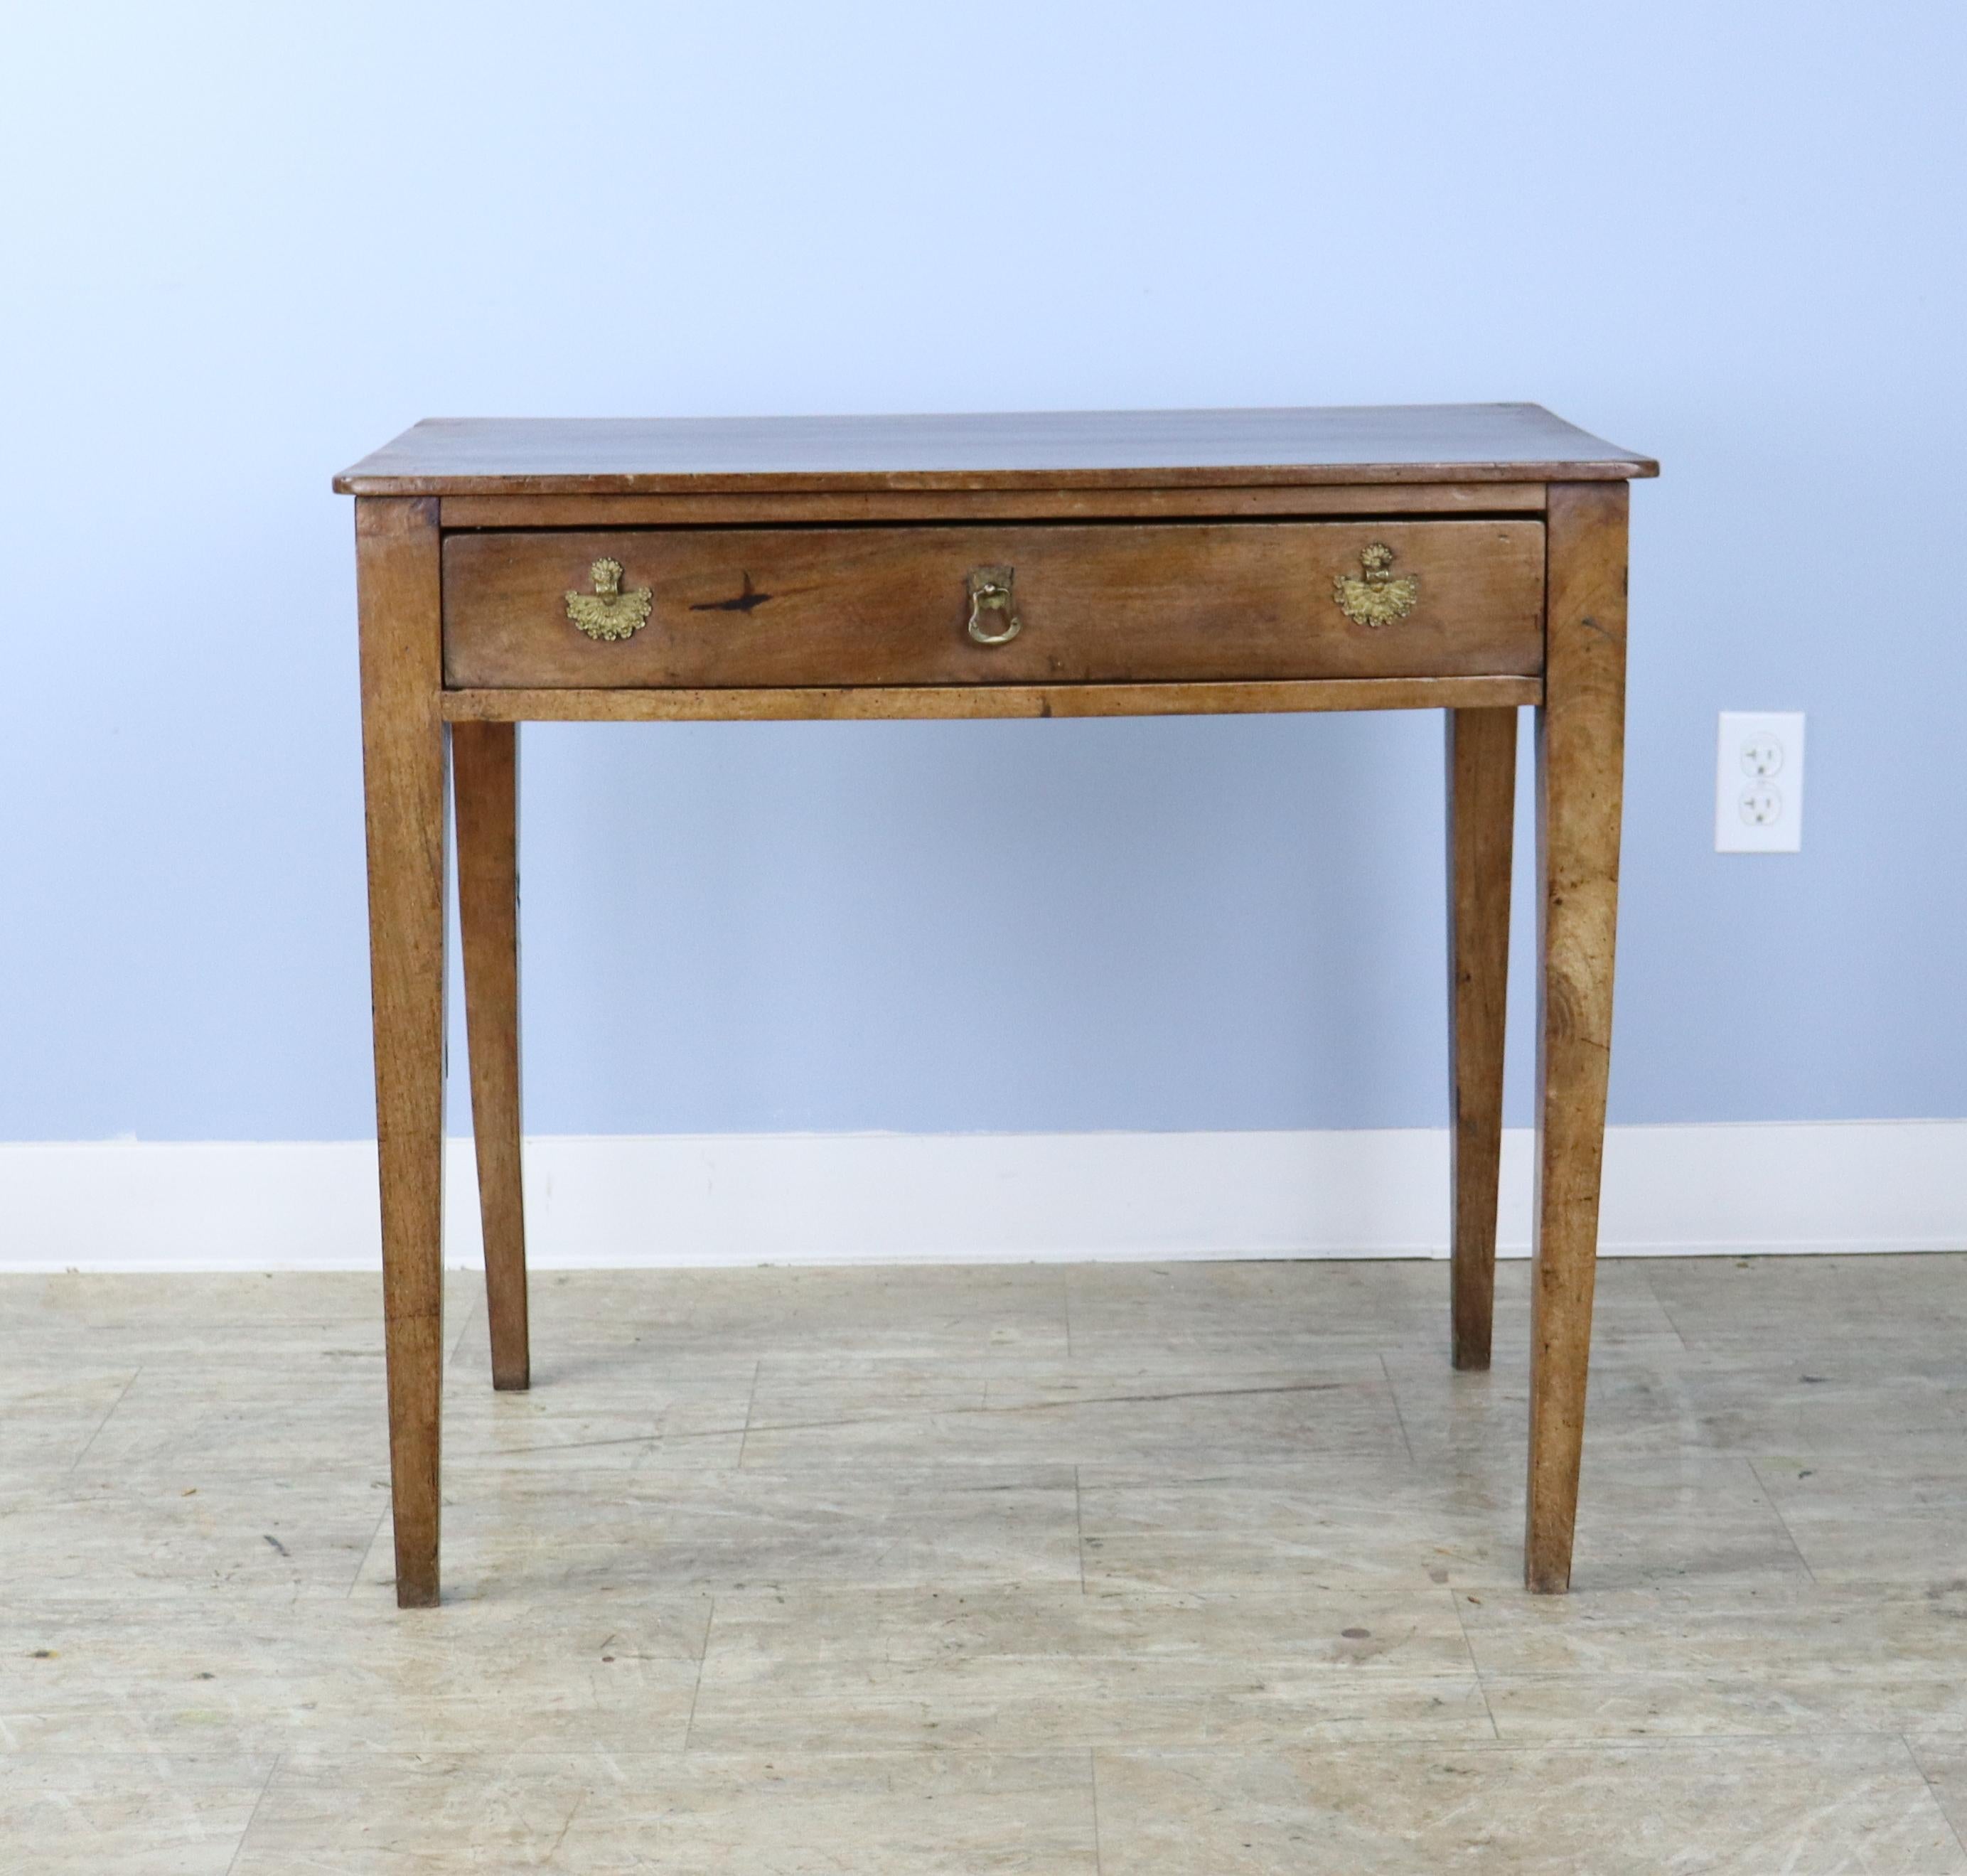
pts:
[1465, 558]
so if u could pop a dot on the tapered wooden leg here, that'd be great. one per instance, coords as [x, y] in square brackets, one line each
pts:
[1481, 809]
[403, 747]
[1580, 742]
[484, 784]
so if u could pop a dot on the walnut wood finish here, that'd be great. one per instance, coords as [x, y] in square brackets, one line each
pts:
[485, 783]
[403, 748]
[1166, 563]
[1189, 602]
[980, 505]
[1580, 750]
[1396, 444]
[1481, 809]
[945, 702]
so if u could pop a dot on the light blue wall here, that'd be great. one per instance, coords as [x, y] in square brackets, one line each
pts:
[243, 244]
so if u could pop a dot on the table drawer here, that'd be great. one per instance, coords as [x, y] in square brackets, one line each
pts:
[718, 607]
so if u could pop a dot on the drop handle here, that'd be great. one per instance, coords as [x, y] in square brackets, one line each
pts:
[990, 593]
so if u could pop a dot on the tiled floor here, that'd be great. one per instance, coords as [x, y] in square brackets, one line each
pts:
[1189, 1570]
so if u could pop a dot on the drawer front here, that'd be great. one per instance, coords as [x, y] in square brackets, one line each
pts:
[719, 607]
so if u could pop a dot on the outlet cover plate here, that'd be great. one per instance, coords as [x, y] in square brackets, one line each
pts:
[1758, 783]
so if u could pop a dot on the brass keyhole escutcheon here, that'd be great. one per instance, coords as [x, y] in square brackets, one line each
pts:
[1376, 595]
[608, 613]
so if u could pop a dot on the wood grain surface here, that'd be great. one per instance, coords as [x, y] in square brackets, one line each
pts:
[950, 701]
[485, 781]
[1418, 442]
[739, 507]
[1580, 785]
[1481, 809]
[403, 751]
[845, 606]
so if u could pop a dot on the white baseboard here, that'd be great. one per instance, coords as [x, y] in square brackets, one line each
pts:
[722, 1199]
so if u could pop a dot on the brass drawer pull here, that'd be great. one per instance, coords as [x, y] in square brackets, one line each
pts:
[608, 612]
[990, 590]
[1376, 595]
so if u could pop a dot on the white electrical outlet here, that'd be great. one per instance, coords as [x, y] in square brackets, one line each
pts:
[1758, 783]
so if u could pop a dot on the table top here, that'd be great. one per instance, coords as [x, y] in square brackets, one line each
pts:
[1405, 443]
